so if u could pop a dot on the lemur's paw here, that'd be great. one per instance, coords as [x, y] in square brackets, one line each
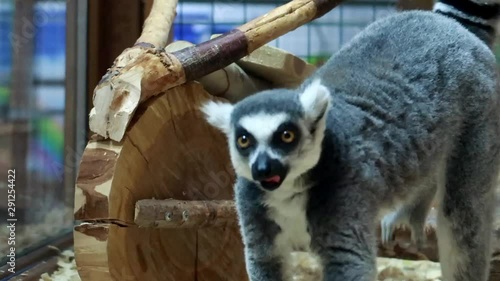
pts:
[388, 224]
[387, 228]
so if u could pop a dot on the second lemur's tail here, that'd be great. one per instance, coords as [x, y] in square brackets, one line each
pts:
[478, 16]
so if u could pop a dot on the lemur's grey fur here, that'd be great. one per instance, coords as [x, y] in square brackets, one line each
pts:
[408, 107]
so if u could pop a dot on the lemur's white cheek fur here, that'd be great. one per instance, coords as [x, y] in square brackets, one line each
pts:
[241, 165]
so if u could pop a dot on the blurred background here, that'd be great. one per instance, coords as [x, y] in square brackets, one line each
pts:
[53, 53]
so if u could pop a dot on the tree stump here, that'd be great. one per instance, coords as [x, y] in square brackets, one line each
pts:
[169, 151]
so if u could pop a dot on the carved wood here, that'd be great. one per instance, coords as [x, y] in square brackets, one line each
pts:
[146, 71]
[169, 151]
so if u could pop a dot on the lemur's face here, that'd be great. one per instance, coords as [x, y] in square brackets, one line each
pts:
[274, 136]
[264, 147]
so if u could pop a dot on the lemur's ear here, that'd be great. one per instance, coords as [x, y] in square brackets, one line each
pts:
[218, 114]
[315, 100]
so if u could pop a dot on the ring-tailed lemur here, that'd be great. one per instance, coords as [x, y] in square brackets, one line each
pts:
[408, 107]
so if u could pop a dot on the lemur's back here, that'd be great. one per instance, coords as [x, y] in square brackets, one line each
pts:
[414, 57]
[416, 78]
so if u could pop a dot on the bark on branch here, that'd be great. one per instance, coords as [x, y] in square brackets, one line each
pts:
[172, 213]
[154, 71]
[184, 214]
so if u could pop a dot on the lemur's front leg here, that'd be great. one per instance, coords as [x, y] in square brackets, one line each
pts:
[259, 233]
[343, 235]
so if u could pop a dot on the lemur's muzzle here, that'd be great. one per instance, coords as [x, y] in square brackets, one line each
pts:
[268, 171]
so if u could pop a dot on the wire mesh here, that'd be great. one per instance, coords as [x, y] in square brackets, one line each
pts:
[314, 42]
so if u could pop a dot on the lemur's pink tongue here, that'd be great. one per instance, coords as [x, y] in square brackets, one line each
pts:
[275, 179]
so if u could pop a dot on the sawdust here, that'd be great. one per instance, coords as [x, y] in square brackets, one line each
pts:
[66, 269]
[390, 269]
[304, 268]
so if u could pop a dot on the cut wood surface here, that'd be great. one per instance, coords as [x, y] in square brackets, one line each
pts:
[230, 82]
[152, 71]
[169, 151]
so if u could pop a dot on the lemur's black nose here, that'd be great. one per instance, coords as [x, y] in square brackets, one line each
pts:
[266, 167]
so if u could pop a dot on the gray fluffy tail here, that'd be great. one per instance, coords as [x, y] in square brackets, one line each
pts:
[478, 16]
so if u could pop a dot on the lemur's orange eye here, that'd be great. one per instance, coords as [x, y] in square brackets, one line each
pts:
[288, 136]
[244, 141]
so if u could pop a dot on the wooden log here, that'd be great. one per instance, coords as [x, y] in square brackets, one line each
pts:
[184, 214]
[169, 151]
[230, 82]
[151, 72]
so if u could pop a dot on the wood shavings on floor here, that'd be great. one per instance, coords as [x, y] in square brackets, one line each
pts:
[305, 269]
[405, 270]
[66, 269]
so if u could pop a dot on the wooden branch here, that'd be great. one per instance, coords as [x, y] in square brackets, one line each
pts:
[184, 214]
[158, 25]
[155, 35]
[154, 71]
[283, 20]
[230, 82]
[277, 66]
[219, 52]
